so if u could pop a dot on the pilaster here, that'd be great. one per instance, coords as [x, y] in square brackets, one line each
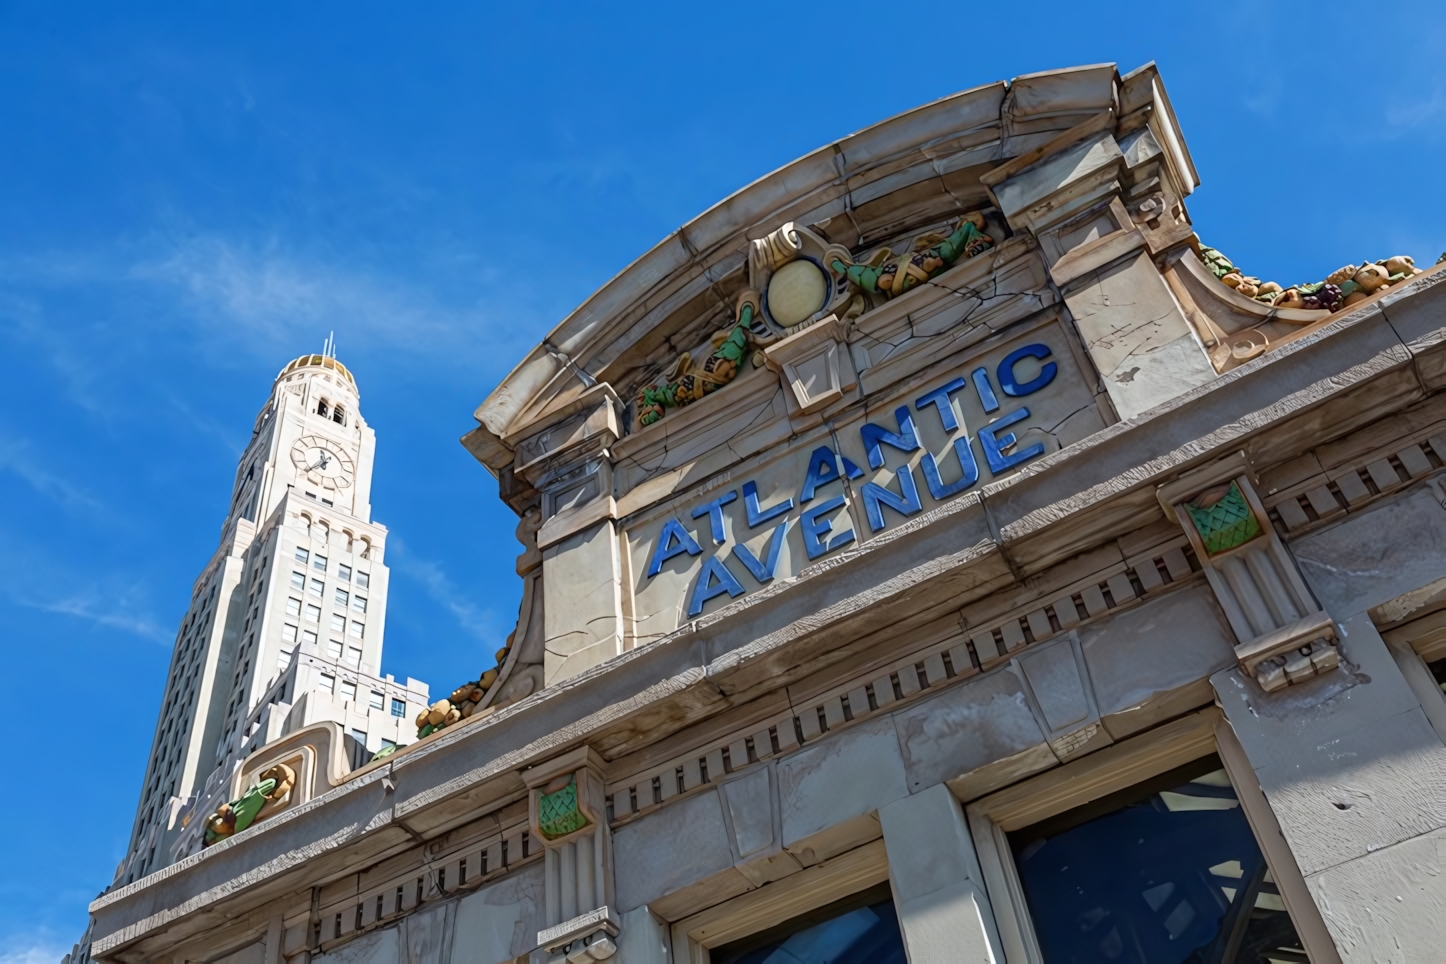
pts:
[568, 815]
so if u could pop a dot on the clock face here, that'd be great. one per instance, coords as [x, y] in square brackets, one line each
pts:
[323, 462]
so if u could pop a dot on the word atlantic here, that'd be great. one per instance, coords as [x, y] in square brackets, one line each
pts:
[825, 466]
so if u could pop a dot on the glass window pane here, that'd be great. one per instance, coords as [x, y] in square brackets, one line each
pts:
[399, 707]
[302, 555]
[340, 596]
[348, 690]
[333, 648]
[316, 587]
[298, 581]
[293, 607]
[1166, 873]
[343, 573]
[860, 930]
[359, 603]
[377, 700]
[319, 563]
[362, 580]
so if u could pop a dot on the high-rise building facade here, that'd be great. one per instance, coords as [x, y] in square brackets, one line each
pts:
[299, 572]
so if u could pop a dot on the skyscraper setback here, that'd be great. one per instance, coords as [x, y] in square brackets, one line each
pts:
[286, 619]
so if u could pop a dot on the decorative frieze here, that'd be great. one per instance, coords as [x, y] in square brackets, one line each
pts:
[961, 655]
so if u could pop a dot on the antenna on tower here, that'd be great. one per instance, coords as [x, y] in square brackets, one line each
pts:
[328, 349]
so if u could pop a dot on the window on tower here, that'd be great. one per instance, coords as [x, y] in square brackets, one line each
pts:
[327, 683]
[399, 707]
[378, 700]
[309, 637]
[333, 649]
[348, 690]
[288, 632]
[321, 408]
[356, 629]
[293, 606]
[338, 622]
[298, 580]
[302, 555]
[343, 573]
[338, 415]
[359, 603]
[340, 596]
[316, 587]
[353, 656]
[362, 580]
[319, 563]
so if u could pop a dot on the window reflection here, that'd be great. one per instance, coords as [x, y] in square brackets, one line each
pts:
[1165, 873]
[860, 930]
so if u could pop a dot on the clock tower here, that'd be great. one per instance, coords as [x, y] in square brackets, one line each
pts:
[286, 619]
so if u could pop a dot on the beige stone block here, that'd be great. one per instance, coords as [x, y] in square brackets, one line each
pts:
[1323, 501]
[847, 776]
[934, 669]
[1120, 588]
[909, 680]
[583, 615]
[1292, 514]
[1352, 487]
[883, 691]
[959, 656]
[986, 647]
[1148, 574]
[1065, 612]
[1389, 905]
[858, 702]
[738, 753]
[1384, 475]
[938, 888]
[1013, 634]
[809, 723]
[1039, 625]
[713, 760]
[833, 714]
[965, 727]
[1094, 600]
[670, 849]
[1415, 461]
[1176, 564]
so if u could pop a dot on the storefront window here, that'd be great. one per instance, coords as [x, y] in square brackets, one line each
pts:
[862, 929]
[1167, 872]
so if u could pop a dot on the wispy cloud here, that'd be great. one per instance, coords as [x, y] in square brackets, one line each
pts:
[32, 949]
[479, 622]
[274, 294]
[18, 456]
[108, 612]
[1416, 113]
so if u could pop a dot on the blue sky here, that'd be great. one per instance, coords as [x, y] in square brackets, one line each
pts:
[193, 194]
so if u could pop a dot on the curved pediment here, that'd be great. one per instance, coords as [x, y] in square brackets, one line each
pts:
[883, 187]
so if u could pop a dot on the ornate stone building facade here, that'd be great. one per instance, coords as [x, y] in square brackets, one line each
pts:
[931, 552]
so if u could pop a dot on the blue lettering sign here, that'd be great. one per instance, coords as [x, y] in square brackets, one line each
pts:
[763, 570]
[714, 511]
[968, 466]
[713, 580]
[757, 516]
[1006, 371]
[985, 390]
[822, 469]
[994, 444]
[674, 540]
[942, 399]
[874, 436]
[876, 496]
[815, 529]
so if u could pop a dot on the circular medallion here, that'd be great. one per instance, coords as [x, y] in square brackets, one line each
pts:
[796, 292]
